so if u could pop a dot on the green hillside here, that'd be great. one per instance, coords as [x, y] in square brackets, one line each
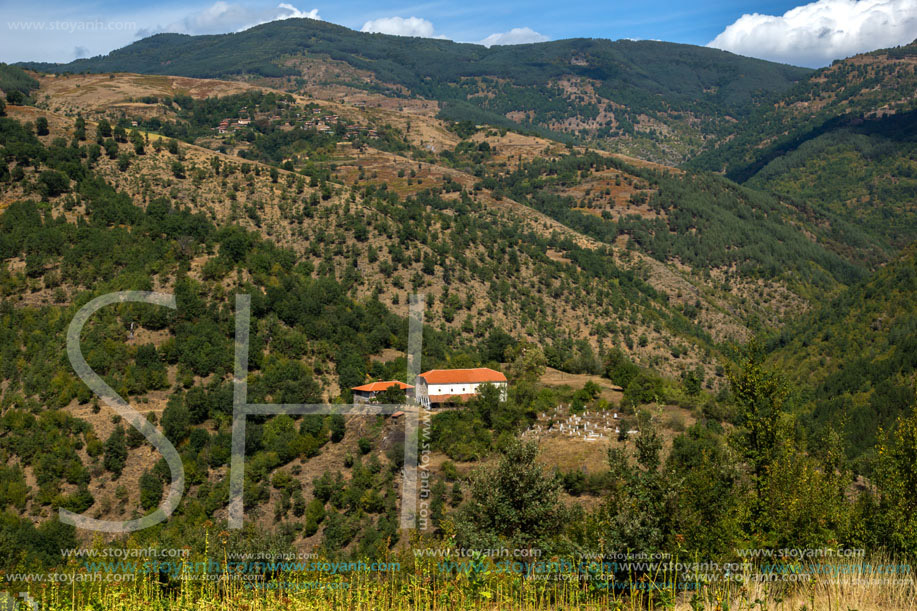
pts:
[845, 139]
[615, 294]
[15, 83]
[691, 89]
[858, 356]
[703, 221]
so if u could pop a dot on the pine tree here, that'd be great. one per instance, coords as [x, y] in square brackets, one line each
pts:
[115, 451]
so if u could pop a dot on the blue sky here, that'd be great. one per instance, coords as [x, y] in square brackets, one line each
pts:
[791, 31]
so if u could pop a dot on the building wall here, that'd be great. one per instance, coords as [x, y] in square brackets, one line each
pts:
[423, 388]
[362, 396]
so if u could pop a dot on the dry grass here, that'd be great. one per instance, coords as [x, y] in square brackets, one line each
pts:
[609, 391]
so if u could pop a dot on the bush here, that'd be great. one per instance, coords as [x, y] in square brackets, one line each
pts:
[52, 183]
[338, 428]
[150, 490]
[644, 388]
[315, 513]
[115, 451]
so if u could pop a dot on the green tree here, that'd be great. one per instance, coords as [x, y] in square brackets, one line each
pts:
[708, 483]
[619, 369]
[41, 126]
[514, 504]
[137, 140]
[645, 387]
[896, 478]
[150, 490]
[315, 513]
[52, 183]
[693, 380]
[176, 421]
[280, 436]
[759, 395]
[338, 427]
[111, 148]
[527, 362]
[15, 97]
[79, 128]
[115, 451]
[391, 396]
[103, 130]
[639, 512]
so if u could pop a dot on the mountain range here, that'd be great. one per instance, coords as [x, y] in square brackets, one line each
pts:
[629, 211]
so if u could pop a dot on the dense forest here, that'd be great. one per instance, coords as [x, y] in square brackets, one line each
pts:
[704, 221]
[858, 356]
[845, 139]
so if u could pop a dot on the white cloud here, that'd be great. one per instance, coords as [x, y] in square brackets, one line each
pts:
[221, 17]
[516, 36]
[288, 11]
[218, 17]
[817, 33]
[399, 26]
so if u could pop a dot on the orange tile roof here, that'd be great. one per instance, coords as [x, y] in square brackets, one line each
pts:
[462, 376]
[380, 386]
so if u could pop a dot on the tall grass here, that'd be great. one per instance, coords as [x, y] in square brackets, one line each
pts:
[422, 584]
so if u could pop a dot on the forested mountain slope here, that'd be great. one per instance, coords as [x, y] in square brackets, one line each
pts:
[87, 209]
[732, 242]
[530, 252]
[845, 139]
[858, 355]
[663, 99]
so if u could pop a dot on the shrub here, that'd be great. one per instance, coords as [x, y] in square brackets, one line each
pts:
[115, 451]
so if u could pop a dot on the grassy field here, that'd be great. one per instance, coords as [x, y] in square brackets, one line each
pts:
[430, 582]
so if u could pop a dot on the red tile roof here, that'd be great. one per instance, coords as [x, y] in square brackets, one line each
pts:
[380, 386]
[462, 376]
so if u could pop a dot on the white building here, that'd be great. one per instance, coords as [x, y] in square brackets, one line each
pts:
[456, 385]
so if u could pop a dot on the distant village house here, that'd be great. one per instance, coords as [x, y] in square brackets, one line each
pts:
[367, 392]
[444, 386]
